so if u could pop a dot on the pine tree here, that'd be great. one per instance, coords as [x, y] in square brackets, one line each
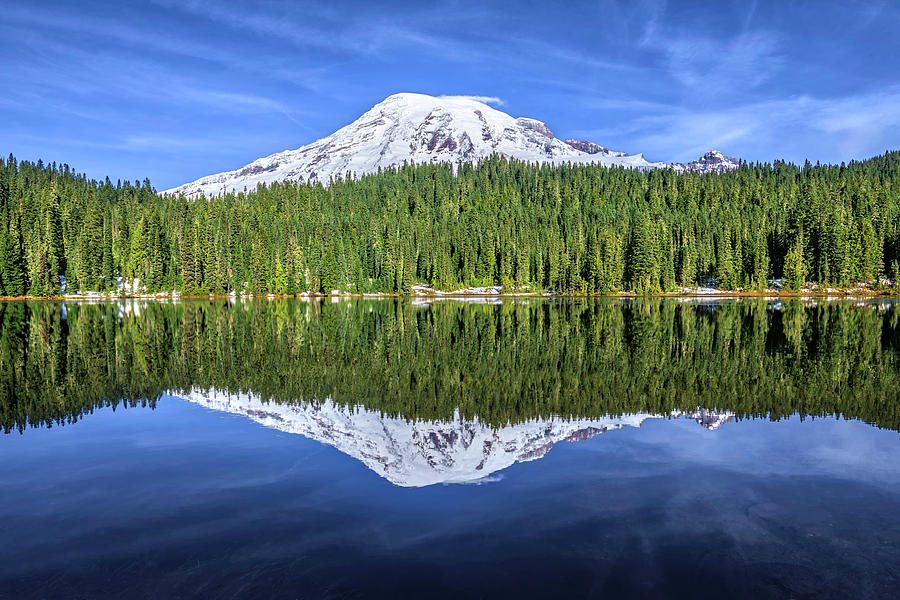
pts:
[13, 269]
[298, 273]
[596, 269]
[522, 260]
[3, 245]
[90, 250]
[157, 254]
[190, 280]
[725, 263]
[666, 253]
[279, 281]
[107, 268]
[795, 266]
[760, 274]
[137, 267]
[687, 272]
[643, 256]
[328, 278]
[870, 258]
[52, 259]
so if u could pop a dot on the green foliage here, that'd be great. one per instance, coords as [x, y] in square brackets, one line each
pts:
[577, 229]
[643, 257]
[12, 268]
[795, 266]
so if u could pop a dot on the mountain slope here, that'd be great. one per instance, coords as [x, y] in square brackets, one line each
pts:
[413, 128]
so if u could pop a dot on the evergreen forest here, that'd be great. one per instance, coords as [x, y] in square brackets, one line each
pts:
[569, 229]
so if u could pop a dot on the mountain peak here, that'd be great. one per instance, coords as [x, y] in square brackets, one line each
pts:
[412, 128]
[711, 162]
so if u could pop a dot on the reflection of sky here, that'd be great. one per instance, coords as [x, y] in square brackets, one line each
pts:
[821, 446]
[179, 497]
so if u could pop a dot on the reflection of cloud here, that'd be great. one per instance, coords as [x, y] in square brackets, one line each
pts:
[821, 446]
[856, 453]
[484, 480]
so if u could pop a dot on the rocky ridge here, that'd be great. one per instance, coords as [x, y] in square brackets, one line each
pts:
[711, 162]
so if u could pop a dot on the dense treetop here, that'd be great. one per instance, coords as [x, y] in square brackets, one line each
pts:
[581, 229]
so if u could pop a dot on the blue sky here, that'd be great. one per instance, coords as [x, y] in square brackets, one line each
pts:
[176, 89]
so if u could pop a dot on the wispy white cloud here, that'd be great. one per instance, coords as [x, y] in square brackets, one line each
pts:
[126, 35]
[483, 99]
[93, 75]
[141, 142]
[707, 66]
[654, 11]
[233, 102]
[289, 22]
[827, 129]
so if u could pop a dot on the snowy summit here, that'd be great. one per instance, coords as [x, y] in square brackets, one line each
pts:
[711, 162]
[414, 128]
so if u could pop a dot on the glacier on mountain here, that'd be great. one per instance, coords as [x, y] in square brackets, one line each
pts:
[416, 453]
[414, 128]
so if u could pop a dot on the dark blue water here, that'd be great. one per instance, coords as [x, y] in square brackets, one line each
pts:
[183, 501]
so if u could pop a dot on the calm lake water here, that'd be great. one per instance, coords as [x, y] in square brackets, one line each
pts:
[385, 448]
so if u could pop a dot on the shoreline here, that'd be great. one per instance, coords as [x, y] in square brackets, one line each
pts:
[832, 293]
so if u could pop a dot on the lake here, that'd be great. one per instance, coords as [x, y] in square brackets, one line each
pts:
[359, 448]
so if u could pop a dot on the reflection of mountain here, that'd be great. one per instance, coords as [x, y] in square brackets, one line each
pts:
[708, 419]
[419, 453]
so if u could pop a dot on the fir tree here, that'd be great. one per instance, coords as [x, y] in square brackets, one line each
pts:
[13, 270]
[795, 266]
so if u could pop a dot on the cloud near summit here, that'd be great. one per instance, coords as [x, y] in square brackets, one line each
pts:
[485, 99]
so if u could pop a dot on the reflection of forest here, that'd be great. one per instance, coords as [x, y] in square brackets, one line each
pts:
[503, 363]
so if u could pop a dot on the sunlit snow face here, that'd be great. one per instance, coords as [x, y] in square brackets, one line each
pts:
[411, 128]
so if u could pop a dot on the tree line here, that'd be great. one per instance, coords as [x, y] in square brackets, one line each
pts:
[570, 229]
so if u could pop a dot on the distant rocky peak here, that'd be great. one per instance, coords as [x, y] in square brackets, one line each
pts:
[711, 162]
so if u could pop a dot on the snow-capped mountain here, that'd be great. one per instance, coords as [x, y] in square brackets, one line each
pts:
[711, 162]
[414, 128]
[420, 453]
